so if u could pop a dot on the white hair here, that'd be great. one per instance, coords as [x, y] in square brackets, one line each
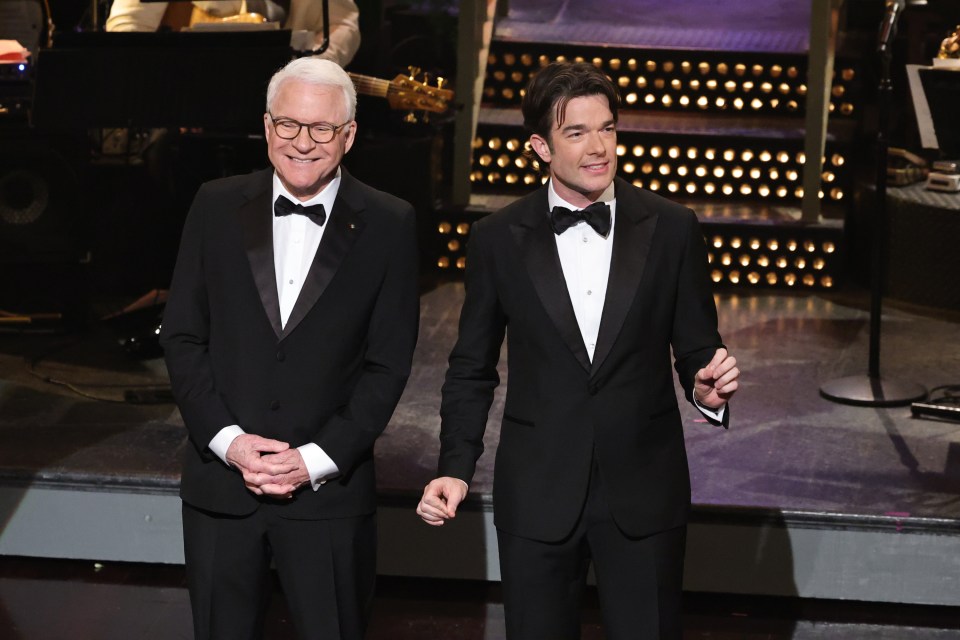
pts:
[315, 71]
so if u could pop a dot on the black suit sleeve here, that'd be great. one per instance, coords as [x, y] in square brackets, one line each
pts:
[695, 337]
[472, 374]
[391, 338]
[185, 335]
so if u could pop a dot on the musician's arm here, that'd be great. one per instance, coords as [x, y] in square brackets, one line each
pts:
[133, 15]
[344, 26]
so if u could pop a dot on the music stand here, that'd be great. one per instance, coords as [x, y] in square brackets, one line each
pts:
[210, 80]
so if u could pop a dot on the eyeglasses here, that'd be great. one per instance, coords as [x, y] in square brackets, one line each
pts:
[319, 132]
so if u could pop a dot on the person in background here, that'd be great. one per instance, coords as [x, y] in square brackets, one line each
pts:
[593, 281]
[134, 15]
[289, 334]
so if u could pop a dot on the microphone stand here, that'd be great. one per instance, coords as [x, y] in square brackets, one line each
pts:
[872, 390]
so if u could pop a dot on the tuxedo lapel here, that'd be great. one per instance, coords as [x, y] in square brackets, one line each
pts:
[344, 227]
[257, 224]
[632, 238]
[538, 249]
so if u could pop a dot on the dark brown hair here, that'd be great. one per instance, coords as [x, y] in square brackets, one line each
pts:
[545, 101]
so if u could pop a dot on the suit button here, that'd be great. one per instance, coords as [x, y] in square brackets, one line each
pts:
[281, 356]
[274, 405]
[593, 389]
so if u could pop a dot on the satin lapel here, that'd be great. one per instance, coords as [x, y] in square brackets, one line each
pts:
[257, 223]
[539, 251]
[632, 238]
[344, 228]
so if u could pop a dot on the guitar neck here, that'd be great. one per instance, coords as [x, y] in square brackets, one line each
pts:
[370, 86]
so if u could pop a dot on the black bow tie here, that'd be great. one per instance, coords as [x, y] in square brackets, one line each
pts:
[597, 215]
[283, 207]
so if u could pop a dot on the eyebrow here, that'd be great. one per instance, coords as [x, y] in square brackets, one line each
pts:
[583, 127]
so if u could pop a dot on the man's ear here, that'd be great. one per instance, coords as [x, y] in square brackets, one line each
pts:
[541, 147]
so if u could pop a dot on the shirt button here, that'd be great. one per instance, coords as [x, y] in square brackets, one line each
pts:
[290, 281]
[274, 405]
[586, 239]
[589, 292]
[281, 356]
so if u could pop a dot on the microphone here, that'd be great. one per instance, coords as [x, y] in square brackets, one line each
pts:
[888, 28]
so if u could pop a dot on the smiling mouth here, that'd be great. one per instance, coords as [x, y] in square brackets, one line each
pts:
[302, 160]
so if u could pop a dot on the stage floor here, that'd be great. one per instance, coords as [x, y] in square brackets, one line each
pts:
[787, 448]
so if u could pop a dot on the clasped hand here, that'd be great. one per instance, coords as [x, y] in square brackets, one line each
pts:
[269, 467]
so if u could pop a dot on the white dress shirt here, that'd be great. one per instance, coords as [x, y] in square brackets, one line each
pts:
[295, 242]
[585, 258]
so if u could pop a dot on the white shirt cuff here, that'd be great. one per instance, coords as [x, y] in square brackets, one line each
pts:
[715, 414]
[319, 465]
[222, 441]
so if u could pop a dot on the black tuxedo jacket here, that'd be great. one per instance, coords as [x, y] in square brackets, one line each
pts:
[561, 409]
[333, 375]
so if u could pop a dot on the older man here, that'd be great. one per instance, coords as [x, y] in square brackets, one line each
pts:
[289, 334]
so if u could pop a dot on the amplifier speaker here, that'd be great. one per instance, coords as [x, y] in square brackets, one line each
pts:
[41, 203]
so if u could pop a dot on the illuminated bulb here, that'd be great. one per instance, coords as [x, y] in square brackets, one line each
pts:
[691, 187]
[443, 262]
[621, 149]
[746, 189]
[809, 280]
[641, 82]
[819, 264]
[771, 278]
[651, 65]
[461, 262]
[675, 84]
[718, 172]
[632, 64]
[730, 86]
[754, 243]
[529, 179]
[503, 161]
[695, 84]
[512, 178]
[692, 153]
[710, 188]
[829, 176]
[711, 84]
[650, 98]
[668, 66]
[772, 244]
[755, 173]
[792, 72]
[527, 60]
[738, 104]
[782, 191]
[726, 259]
[453, 245]
[703, 102]
[495, 143]
[701, 171]
[521, 162]
[597, 62]
[722, 68]
[763, 190]
[638, 184]
[763, 261]
[686, 67]
[727, 190]
[774, 174]
[765, 156]
[802, 90]
[703, 68]
[615, 63]
[801, 157]
[798, 192]
[753, 277]
[637, 150]
[629, 167]
[463, 229]
[734, 277]
[836, 194]
[782, 263]
[792, 175]
[684, 101]
[826, 281]
[837, 160]
[444, 228]
[486, 160]
[623, 81]
[716, 275]
[829, 247]
[673, 187]
[656, 152]
[666, 101]
[654, 185]
[736, 172]
[493, 177]
[729, 155]
[800, 263]
[631, 98]
[791, 245]
[647, 167]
